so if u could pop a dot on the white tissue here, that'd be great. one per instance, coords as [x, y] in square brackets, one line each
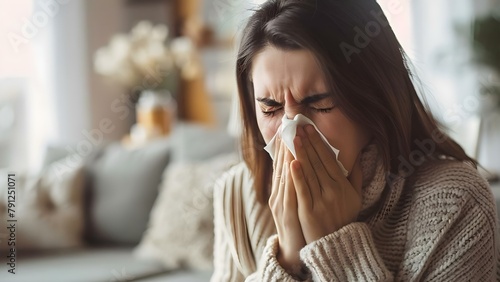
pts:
[288, 130]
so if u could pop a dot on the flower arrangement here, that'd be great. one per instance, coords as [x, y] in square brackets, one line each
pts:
[142, 59]
[149, 64]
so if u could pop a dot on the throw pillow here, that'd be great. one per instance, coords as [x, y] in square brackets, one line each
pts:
[194, 142]
[180, 230]
[123, 185]
[48, 208]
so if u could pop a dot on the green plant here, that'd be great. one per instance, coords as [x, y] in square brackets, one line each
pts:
[486, 46]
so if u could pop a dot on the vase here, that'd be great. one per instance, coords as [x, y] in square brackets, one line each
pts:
[156, 112]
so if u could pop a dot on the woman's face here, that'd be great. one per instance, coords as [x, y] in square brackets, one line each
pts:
[291, 83]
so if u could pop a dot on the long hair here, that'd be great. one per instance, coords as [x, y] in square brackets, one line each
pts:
[366, 71]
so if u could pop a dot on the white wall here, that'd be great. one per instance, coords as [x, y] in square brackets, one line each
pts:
[104, 19]
[13, 124]
[68, 101]
[69, 59]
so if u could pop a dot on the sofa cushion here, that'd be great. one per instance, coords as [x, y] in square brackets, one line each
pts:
[122, 187]
[180, 231]
[180, 276]
[194, 142]
[105, 264]
[48, 207]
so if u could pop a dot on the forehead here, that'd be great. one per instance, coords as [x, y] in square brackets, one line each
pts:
[275, 71]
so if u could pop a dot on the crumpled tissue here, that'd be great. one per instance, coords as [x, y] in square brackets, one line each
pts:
[288, 130]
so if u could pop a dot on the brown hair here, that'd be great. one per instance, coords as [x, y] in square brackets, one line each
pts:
[366, 70]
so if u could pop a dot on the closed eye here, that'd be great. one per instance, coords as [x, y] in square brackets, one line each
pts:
[271, 113]
[323, 110]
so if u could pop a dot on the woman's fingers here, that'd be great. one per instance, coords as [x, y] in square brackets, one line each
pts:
[303, 192]
[324, 153]
[285, 180]
[277, 146]
[277, 170]
[321, 157]
[290, 198]
[291, 221]
[313, 168]
[282, 182]
[308, 172]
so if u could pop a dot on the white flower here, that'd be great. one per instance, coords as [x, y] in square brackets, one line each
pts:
[142, 57]
[102, 63]
[186, 57]
[159, 33]
[142, 30]
[120, 46]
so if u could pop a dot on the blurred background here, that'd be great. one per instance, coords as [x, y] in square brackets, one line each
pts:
[52, 89]
[107, 102]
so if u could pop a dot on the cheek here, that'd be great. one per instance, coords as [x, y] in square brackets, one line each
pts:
[267, 125]
[334, 132]
[342, 134]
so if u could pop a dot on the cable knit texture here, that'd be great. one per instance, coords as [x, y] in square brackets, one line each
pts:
[439, 224]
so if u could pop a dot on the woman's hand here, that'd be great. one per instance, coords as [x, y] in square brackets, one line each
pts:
[283, 204]
[326, 199]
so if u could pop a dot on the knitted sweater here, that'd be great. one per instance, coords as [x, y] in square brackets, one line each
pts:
[438, 224]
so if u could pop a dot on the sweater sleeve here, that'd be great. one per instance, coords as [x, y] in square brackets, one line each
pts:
[348, 254]
[241, 227]
[453, 236]
[270, 269]
[464, 250]
[225, 267]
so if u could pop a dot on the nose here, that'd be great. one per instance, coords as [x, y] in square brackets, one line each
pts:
[292, 107]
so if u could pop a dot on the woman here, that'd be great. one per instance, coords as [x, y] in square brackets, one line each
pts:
[412, 206]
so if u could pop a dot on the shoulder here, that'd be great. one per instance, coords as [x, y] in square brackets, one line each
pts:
[451, 216]
[234, 191]
[453, 187]
[246, 222]
[239, 171]
[237, 181]
[450, 176]
[235, 196]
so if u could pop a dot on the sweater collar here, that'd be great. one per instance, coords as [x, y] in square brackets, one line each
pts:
[378, 197]
[373, 176]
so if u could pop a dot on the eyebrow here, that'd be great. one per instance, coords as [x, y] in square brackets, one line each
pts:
[307, 100]
[315, 98]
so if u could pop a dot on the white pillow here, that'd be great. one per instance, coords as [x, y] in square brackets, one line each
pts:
[180, 230]
[48, 208]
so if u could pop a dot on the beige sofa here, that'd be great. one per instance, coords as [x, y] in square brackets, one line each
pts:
[115, 223]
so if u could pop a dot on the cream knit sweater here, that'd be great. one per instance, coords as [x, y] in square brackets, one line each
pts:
[440, 224]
